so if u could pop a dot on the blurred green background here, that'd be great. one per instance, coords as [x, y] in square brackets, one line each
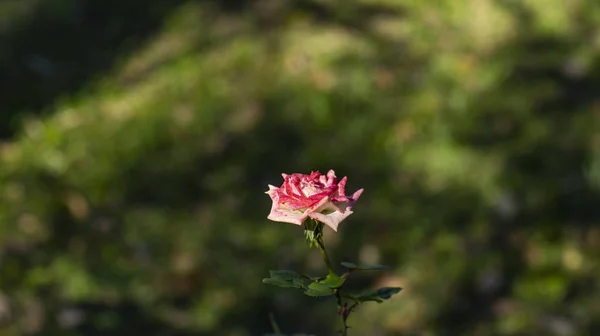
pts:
[138, 138]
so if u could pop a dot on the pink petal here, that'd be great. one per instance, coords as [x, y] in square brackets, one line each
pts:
[331, 177]
[342, 186]
[329, 197]
[271, 189]
[281, 214]
[357, 194]
[318, 205]
[291, 217]
[340, 199]
[331, 173]
[296, 190]
[332, 220]
[313, 175]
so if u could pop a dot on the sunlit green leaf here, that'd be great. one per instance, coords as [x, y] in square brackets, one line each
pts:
[333, 281]
[319, 289]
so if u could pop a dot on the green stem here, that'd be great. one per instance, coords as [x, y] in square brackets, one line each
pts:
[351, 309]
[343, 316]
[321, 243]
[274, 324]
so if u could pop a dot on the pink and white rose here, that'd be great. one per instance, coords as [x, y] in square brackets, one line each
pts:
[317, 196]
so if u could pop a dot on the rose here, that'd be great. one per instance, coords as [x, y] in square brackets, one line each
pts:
[323, 199]
[316, 196]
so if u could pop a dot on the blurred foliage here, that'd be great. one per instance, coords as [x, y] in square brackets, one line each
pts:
[139, 137]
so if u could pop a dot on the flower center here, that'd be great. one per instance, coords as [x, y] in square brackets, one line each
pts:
[311, 188]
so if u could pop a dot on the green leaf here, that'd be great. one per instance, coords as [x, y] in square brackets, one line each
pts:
[284, 274]
[387, 292]
[333, 281]
[378, 295]
[348, 265]
[353, 266]
[286, 279]
[310, 236]
[313, 231]
[280, 283]
[319, 289]
[311, 278]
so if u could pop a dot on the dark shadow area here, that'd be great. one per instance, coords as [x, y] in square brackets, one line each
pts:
[61, 45]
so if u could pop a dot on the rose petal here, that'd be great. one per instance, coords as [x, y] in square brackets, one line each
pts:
[280, 214]
[296, 190]
[331, 177]
[317, 196]
[342, 186]
[291, 217]
[332, 220]
[271, 189]
[357, 194]
[335, 218]
[318, 204]
[296, 204]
